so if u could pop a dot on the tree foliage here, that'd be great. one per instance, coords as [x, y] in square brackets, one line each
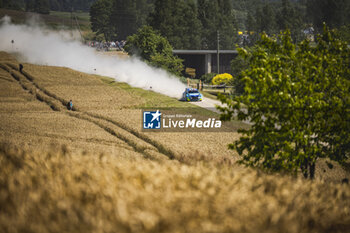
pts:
[128, 16]
[118, 19]
[155, 49]
[70, 5]
[12, 4]
[216, 16]
[100, 13]
[177, 21]
[297, 99]
[335, 13]
[238, 65]
[265, 19]
[38, 6]
[289, 17]
[273, 17]
[207, 78]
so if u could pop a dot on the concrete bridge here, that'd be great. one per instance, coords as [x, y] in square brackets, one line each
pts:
[205, 61]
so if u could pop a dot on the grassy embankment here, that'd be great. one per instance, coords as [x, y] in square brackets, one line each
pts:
[93, 170]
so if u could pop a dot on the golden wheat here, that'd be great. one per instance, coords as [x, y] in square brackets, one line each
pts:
[63, 192]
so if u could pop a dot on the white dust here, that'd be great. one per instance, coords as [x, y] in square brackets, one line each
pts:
[38, 45]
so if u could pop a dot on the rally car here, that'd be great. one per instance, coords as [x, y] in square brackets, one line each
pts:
[191, 94]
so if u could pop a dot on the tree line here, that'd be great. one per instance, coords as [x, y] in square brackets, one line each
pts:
[45, 6]
[193, 24]
[187, 24]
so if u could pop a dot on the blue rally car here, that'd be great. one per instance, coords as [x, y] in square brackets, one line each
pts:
[192, 94]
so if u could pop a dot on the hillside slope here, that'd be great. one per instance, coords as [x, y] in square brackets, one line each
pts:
[114, 108]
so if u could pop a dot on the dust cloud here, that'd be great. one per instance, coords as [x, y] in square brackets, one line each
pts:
[39, 45]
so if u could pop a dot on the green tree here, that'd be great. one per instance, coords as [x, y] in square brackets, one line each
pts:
[344, 32]
[38, 6]
[12, 4]
[265, 19]
[250, 23]
[117, 19]
[238, 65]
[177, 21]
[100, 13]
[335, 13]
[155, 49]
[123, 17]
[69, 5]
[297, 99]
[216, 16]
[288, 17]
[207, 78]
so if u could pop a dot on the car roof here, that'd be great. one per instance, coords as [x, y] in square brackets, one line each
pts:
[191, 89]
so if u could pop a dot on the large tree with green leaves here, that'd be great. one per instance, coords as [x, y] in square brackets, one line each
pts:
[12, 4]
[71, 5]
[38, 6]
[154, 49]
[297, 99]
[265, 19]
[177, 21]
[100, 13]
[290, 17]
[217, 16]
[335, 13]
[128, 16]
[118, 19]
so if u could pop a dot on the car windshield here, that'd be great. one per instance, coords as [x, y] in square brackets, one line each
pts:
[193, 91]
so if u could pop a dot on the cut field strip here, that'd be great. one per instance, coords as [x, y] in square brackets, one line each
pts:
[138, 141]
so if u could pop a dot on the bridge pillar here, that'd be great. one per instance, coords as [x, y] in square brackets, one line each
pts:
[207, 63]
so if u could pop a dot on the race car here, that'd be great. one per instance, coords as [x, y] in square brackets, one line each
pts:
[192, 94]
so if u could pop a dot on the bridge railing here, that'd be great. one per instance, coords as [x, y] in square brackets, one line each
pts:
[213, 89]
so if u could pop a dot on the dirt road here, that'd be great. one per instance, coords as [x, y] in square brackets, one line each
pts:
[209, 104]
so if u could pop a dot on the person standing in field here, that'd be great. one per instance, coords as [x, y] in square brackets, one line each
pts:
[20, 68]
[70, 105]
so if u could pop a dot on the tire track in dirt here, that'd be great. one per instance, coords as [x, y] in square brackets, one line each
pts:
[122, 132]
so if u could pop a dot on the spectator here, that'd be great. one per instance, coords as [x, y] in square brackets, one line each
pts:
[20, 68]
[70, 105]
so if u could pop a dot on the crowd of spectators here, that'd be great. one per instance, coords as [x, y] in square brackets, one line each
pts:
[108, 46]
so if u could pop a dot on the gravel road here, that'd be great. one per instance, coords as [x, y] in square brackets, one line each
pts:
[208, 104]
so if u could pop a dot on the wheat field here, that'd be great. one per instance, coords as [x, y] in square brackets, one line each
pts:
[94, 170]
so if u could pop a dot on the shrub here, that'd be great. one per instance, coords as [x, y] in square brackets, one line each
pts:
[207, 78]
[222, 79]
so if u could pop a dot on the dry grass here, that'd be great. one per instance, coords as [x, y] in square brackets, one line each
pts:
[63, 192]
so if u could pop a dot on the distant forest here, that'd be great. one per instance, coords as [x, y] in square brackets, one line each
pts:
[44, 6]
[193, 24]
